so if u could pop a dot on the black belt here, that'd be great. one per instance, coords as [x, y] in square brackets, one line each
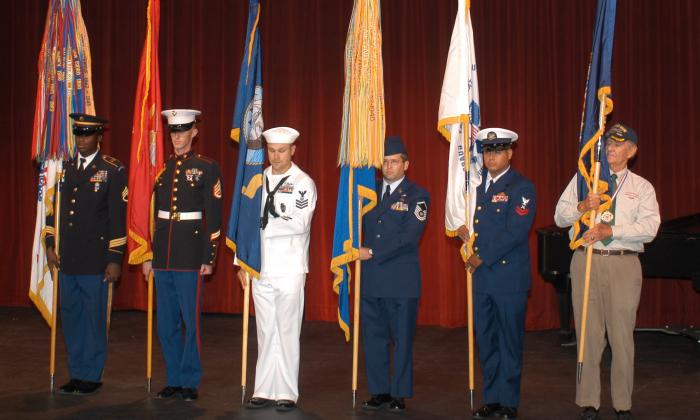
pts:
[609, 252]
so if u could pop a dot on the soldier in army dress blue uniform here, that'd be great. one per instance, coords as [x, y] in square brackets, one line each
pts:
[505, 210]
[92, 241]
[391, 281]
[187, 216]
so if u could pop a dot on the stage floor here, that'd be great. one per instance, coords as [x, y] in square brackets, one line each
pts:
[667, 383]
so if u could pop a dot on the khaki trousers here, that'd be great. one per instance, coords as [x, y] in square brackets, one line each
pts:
[615, 287]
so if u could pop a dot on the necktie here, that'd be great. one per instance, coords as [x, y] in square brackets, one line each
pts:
[270, 202]
[387, 193]
[613, 189]
[489, 185]
[81, 165]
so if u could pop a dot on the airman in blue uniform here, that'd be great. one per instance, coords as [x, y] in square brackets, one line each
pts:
[92, 242]
[391, 280]
[504, 213]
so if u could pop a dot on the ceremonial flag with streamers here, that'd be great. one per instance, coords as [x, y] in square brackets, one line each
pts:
[243, 234]
[361, 145]
[598, 88]
[459, 120]
[64, 86]
[146, 142]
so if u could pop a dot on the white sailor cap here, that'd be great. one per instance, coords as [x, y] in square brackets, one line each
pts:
[181, 119]
[281, 135]
[496, 137]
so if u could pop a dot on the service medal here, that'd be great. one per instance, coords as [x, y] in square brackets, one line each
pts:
[97, 186]
[607, 216]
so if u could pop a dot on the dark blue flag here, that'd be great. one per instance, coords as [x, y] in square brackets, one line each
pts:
[243, 234]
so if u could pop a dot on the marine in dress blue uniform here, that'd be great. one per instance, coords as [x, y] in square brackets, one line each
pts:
[504, 213]
[187, 212]
[92, 242]
[391, 281]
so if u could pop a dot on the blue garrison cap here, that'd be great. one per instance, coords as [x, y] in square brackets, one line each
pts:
[393, 146]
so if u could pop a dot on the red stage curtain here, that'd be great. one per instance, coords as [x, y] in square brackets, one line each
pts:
[532, 58]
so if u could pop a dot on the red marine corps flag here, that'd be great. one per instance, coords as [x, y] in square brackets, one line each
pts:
[146, 143]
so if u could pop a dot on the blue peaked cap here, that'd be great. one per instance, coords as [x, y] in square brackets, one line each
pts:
[394, 145]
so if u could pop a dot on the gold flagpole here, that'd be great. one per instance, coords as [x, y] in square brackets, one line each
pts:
[589, 251]
[470, 280]
[244, 349]
[149, 333]
[54, 274]
[356, 315]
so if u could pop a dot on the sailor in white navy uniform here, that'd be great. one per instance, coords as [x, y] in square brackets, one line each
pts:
[288, 203]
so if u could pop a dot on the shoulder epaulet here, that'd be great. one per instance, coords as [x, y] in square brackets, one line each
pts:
[204, 158]
[112, 161]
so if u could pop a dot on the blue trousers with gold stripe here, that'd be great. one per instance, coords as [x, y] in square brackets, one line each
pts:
[178, 299]
[84, 324]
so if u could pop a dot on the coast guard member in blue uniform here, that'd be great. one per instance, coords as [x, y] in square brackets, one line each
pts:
[391, 280]
[505, 210]
[187, 192]
[92, 241]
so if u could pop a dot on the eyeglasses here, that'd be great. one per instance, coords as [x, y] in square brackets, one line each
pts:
[392, 162]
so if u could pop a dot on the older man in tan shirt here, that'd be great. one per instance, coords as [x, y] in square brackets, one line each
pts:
[616, 274]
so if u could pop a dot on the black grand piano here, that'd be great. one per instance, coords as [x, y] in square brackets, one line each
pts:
[674, 253]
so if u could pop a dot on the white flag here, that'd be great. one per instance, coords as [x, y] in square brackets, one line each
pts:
[459, 120]
[41, 285]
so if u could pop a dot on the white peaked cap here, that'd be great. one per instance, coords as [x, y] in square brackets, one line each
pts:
[281, 135]
[180, 116]
[496, 136]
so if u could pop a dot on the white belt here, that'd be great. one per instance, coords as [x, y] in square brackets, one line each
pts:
[180, 215]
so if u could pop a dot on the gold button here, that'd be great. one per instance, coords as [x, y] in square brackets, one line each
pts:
[192, 184]
[196, 232]
[177, 171]
[75, 188]
[503, 262]
[70, 223]
[102, 238]
[174, 198]
[476, 234]
[72, 201]
[498, 210]
[174, 207]
[476, 221]
[176, 180]
[478, 208]
[179, 162]
[175, 189]
[476, 248]
[160, 184]
[379, 236]
[71, 212]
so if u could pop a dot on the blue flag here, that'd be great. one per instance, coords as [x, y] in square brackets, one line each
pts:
[243, 234]
[598, 92]
[356, 196]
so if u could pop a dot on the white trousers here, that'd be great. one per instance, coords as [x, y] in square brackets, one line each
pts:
[279, 306]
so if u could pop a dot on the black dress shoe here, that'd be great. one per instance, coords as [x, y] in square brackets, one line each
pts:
[487, 411]
[189, 394]
[168, 392]
[377, 402]
[508, 413]
[397, 405]
[87, 387]
[257, 402]
[69, 388]
[589, 413]
[285, 405]
[624, 415]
